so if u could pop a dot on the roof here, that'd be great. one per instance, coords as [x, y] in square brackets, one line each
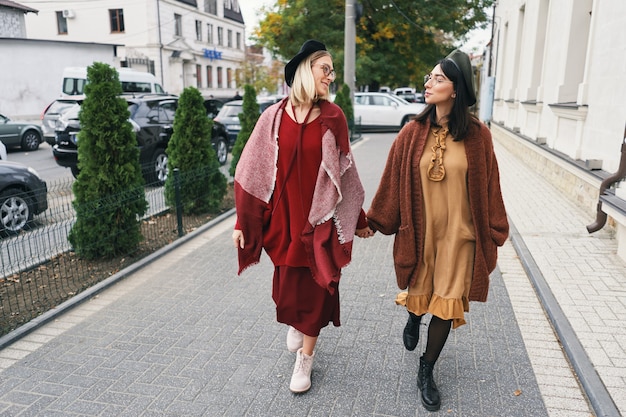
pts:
[13, 5]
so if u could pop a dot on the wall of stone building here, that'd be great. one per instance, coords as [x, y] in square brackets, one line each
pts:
[560, 75]
[559, 70]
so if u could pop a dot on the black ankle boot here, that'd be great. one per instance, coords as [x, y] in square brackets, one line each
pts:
[426, 384]
[411, 334]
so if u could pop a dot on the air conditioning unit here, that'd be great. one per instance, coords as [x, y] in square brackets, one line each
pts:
[68, 14]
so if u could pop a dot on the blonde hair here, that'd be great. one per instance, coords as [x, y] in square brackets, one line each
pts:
[303, 87]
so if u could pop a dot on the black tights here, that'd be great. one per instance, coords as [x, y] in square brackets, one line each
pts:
[438, 331]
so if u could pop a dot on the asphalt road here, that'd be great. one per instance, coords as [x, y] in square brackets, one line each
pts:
[42, 161]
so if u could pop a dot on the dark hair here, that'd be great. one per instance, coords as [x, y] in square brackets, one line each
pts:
[459, 118]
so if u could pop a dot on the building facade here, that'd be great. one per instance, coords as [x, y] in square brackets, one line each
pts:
[199, 43]
[559, 96]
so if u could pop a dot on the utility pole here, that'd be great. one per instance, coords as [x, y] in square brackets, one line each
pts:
[349, 47]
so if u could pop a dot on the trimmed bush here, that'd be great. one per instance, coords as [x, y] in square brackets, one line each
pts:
[344, 101]
[202, 185]
[248, 118]
[109, 194]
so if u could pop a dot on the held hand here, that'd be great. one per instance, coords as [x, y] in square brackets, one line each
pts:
[365, 232]
[238, 239]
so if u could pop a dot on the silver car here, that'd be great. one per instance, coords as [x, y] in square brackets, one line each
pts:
[52, 113]
[382, 111]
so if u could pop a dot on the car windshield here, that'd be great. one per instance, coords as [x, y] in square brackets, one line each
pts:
[230, 111]
[60, 106]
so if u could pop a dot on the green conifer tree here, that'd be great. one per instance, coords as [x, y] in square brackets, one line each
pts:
[344, 101]
[248, 118]
[202, 184]
[109, 195]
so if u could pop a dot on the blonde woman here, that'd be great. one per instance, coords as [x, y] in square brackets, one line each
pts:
[299, 197]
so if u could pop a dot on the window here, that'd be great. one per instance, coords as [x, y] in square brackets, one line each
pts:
[210, 6]
[198, 30]
[219, 77]
[220, 36]
[199, 76]
[229, 38]
[209, 76]
[61, 24]
[231, 5]
[229, 78]
[178, 25]
[117, 20]
[209, 32]
[238, 40]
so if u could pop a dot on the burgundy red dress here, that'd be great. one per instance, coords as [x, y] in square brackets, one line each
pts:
[300, 301]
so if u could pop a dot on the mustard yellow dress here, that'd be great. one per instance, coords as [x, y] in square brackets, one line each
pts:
[444, 273]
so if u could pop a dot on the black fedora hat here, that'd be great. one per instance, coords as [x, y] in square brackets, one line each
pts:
[306, 49]
[462, 62]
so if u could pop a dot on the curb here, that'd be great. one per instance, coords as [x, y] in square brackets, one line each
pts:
[593, 387]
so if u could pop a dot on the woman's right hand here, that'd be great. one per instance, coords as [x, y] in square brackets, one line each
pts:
[238, 239]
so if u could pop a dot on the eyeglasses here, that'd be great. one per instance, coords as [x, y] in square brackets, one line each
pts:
[435, 81]
[328, 71]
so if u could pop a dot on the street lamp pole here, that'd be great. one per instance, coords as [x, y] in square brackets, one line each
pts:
[349, 48]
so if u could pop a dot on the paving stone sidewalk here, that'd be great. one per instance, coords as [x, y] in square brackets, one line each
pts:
[185, 337]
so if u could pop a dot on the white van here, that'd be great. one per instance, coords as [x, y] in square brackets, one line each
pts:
[75, 78]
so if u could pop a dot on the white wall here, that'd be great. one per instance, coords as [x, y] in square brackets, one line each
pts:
[35, 79]
[561, 74]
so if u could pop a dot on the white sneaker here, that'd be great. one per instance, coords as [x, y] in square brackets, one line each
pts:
[294, 339]
[301, 378]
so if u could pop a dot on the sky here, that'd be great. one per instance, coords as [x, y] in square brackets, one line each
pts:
[249, 8]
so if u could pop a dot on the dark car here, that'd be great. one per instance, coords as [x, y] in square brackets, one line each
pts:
[152, 118]
[213, 107]
[53, 112]
[23, 194]
[26, 135]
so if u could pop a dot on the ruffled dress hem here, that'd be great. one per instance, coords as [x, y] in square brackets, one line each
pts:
[445, 308]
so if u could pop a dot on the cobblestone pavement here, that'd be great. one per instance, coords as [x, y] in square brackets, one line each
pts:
[184, 336]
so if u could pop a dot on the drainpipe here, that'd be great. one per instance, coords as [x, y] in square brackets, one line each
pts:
[160, 42]
[617, 176]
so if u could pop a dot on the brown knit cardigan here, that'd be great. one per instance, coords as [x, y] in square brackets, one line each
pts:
[393, 211]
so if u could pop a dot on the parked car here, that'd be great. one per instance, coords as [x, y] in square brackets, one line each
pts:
[23, 194]
[213, 107]
[152, 117]
[229, 114]
[52, 113]
[26, 135]
[3, 152]
[384, 111]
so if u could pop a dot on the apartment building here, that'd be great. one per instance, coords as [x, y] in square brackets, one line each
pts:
[560, 97]
[199, 43]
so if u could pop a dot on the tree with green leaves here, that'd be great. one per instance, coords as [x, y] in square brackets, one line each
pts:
[202, 184]
[397, 41]
[248, 118]
[344, 100]
[109, 195]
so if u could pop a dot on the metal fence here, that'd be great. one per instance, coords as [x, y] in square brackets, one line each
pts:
[39, 269]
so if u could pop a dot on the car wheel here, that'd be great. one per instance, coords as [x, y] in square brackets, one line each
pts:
[15, 211]
[221, 151]
[406, 120]
[159, 167]
[31, 140]
[75, 171]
